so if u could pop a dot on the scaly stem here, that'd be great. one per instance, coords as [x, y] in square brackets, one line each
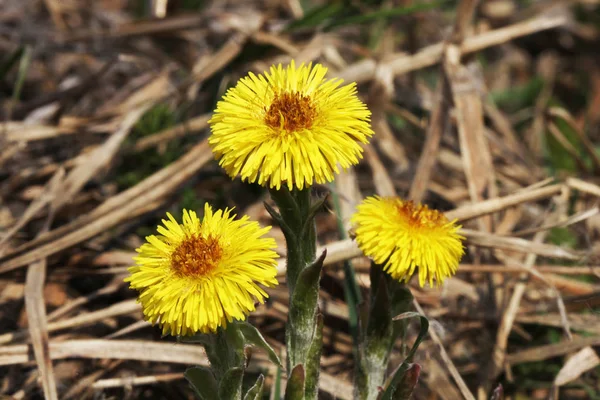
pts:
[387, 299]
[225, 351]
[303, 332]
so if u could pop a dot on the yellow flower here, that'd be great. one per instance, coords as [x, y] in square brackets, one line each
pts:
[402, 236]
[197, 276]
[289, 126]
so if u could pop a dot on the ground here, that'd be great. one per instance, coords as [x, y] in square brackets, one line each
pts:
[488, 111]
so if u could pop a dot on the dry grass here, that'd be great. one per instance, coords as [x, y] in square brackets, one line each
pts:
[487, 110]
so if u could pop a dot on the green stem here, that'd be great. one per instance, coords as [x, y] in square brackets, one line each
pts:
[303, 333]
[387, 299]
[225, 351]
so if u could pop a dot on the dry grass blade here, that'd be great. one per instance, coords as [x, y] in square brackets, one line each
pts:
[327, 383]
[545, 269]
[517, 244]
[347, 249]
[123, 207]
[47, 196]
[79, 301]
[18, 132]
[207, 66]
[402, 64]
[541, 353]
[474, 149]
[55, 10]
[534, 137]
[35, 302]
[471, 211]
[508, 319]
[112, 349]
[380, 94]
[494, 120]
[384, 186]
[462, 386]
[135, 380]
[438, 124]
[585, 187]
[502, 124]
[193, 125]
[573, 219]
[349, 196]
[38, 330]
[580, 362]
[579, 322]
[341, 250]
[439, 381]
[139, 28]
[123, 308]
[100, 157]
[77, 391]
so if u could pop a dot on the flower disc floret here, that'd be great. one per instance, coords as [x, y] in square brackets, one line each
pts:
[200, 275]
[289, 126]
[402, 235]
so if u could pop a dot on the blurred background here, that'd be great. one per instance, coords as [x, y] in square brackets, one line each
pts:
[488, 110]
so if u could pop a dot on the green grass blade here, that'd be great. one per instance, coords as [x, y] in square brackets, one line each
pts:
[7, 64]
[316, 16]
[23, 68]
[383, 14]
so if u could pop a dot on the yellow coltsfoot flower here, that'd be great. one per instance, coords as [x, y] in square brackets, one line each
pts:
[289, 126]
[402, 236]
[200, 275]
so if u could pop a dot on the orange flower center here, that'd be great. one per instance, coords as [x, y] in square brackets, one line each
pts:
[291, 112]
[196, 256]
[420, 216]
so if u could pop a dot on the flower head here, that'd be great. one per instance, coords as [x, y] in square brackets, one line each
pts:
[289, 126]
[197, 276]
[402, 235]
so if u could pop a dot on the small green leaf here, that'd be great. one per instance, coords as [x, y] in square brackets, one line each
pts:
[202, 381]
[290, 236]
[310, 217]
[302, 310]
[254, 337]
[398, 377]
[230, 387]
[255, 392]
[295, 384]
[422, 331]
